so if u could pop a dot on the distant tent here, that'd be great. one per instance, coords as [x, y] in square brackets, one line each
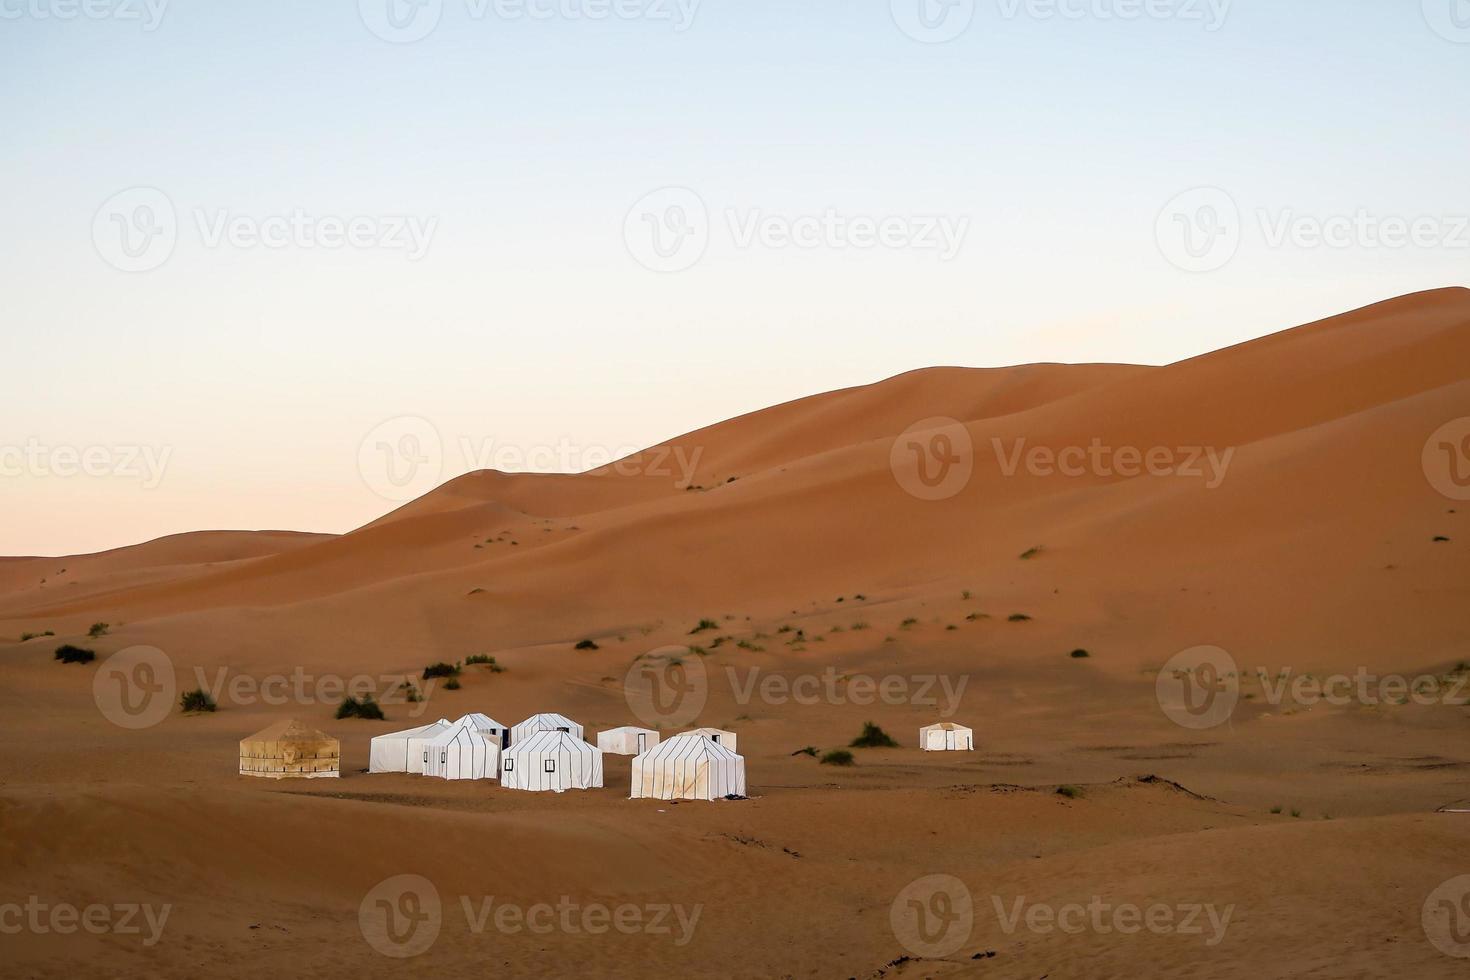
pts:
[290, 750]
[689, 767]
[486, 724]
[946, 737]
[628, 740]
[463, 752]
[727, 739]
[390, 753]
[545, 723]
[554, 761]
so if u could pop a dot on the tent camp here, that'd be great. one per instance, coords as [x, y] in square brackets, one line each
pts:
[486, 724]
[290, 750]
[463, 752]
[628, 740]
[390, 753]
[688, 767]
[545, 723]
[946, 737]
[555, 761]
[727, 739]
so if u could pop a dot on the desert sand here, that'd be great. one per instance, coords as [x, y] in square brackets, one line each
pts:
[1313, 550]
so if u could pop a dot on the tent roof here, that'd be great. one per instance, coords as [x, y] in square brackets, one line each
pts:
[478, 720]
[685, 746]
[549, 742]
[290, 730]
[421, 730]
[628, 728]
[945, 726]
[706, 732]
[549, 718]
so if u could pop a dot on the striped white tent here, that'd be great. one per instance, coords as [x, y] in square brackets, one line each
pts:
[946, 737]
[727, 739]
[463, 752]
[545, 723]
[486, 724]
[554, 761]
[688, 767]
[393, 753]
[628, 740]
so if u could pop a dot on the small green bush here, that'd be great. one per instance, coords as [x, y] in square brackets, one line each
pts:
[197, 700]
[69, 654]
[1080, 654]
[441, 669]
[837, 757]
[704, 624]
[587, 645]
[98, 629]
[365, 708]
[479, 658]
[1030, 553]
[452, 684]
[1019, 618]
[1070, 792]
[873, 737]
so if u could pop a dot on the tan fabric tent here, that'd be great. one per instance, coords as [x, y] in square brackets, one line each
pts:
[290, 750]
[946, 737]
[688, 767]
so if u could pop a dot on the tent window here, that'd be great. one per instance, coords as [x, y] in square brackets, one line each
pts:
[564, 729]
[510, 765]
[551, 765]
[444, 757]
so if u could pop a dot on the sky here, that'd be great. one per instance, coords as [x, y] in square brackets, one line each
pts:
[285, 264]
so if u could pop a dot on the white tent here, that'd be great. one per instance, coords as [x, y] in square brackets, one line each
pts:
[393, 753]
[946, 737]
[689, 767]
[554, 761]
[545, 723]
[463, 752]
[486, 724]
[719, 735]
[628, 740]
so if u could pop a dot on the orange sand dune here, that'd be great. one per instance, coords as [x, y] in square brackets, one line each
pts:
[1311, 538]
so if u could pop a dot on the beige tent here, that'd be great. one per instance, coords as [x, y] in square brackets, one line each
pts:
[290, 750]
[946, 737]
[628, 740]
[727, 739]
[688, 767]
[555, 761]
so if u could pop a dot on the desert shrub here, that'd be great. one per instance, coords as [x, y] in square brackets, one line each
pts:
[860, 597]
[1018, 618]
[1296, 813]
[784, 629]
[98, 629]
[965, 594]
[441, 669]
[860, 626]
[975, 617]
[873, 737]
[951, 626]
[365, 708]
[1030, 553]
[837, 757]
[478, 658]
[704, 624]
[1440, 539]
[34, 636]
[69, 654]
[1080, 654]
[587, 645]
[197, 700]
[452, 684]
[810, 750]
[1070, 792]
[907, 623]
[1276, 809]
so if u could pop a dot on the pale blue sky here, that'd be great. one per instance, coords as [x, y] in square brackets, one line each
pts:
[525, 142]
